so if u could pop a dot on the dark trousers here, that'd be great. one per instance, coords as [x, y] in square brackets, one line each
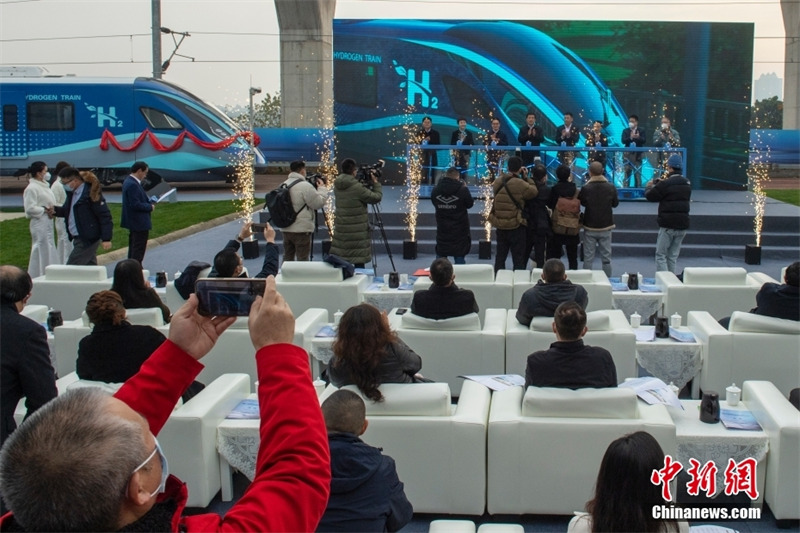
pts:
[556, 245]
[83, 252]
[296, 246]
[137, 244]
[535, 243]
[513, 240]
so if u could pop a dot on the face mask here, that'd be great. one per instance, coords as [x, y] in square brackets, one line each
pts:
[67, 188]
[164, 468]
[46, 176]
[664, 126]
[631, 125]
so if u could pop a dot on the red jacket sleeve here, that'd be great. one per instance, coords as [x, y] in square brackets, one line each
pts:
[156, 388]
[292, 481]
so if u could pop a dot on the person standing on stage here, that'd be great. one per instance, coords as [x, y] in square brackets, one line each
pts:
[635, 137]
[428, 135]
[462, 137]
[674, 195]
[567, 135]
[494, 137]
[136, 211]
[451, 199]
[530, 134]
[596, 138]
[38, 200]
[665, 137]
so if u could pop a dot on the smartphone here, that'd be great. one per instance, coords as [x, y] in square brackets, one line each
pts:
[256, 227]
[401, 311]
[227, 296]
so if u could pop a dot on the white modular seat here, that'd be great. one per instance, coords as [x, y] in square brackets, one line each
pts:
[718, 290]
[451, 526]
[781, 421]
[595, 282]
[455, 346]
[754, 347]
[313, 284]
[174, 300]
[439, 448]
[68, 336]
[608, 329]
[491, 292]
[545, 445]
[67, 288]
[37, 313]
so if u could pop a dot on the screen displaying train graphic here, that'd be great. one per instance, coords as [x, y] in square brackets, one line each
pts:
[390, 74]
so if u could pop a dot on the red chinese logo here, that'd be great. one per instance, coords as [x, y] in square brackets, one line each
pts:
[665, 475]
[739, 477]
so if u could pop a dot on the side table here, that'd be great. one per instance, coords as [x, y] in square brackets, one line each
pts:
[388, 299]
[644, 303]
[670, 360]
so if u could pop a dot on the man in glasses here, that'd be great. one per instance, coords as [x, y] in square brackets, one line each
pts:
[87, 461]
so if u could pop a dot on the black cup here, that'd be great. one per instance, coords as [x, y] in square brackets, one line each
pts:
[633, 281]
[161, 279]
[394, 280]
[709, 407]
[662, 327]
[54, 319]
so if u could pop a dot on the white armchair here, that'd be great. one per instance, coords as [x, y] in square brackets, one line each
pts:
[718, 290]
[455, 346]
[37, 313]
[608, 329]
[491, 292]
[68, 287]
[545, 444]
[781, 421]
[439, 449]
[307, 284]
[595, 282]
[754, 347]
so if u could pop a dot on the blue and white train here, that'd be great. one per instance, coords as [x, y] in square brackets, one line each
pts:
[105, 124]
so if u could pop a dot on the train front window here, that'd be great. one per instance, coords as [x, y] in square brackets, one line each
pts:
[206, 123]
[51, 116]
[159, 120]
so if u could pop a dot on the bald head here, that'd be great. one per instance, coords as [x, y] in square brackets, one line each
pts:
[15, 284]
[344, 411]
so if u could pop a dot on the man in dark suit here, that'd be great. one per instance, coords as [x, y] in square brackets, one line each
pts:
[443, 299]
[567, 135]
[494, 137]
[530, 134]
[462, 137]
[428, 135]
[136, 211]
[24, 354]
[634, 137]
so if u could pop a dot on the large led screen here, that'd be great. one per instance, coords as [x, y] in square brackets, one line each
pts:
[389, 74]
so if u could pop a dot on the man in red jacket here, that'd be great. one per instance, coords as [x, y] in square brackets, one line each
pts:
[87, 461]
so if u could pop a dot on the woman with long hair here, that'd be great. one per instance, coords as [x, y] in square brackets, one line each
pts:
[63, 244]
[367, 353]
[39, 201]
[624, 495]
[136, 294]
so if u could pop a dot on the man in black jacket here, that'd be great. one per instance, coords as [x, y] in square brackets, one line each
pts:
[569, 363]
[429, 161]
[530, 134]
[452, 199]
[228, 262]
[673, 195]
[443, 299]
[87, 216]
[539, 230]
[366, 494]
[462, 137]
[549, 292]
[24, 354]
[599, 197]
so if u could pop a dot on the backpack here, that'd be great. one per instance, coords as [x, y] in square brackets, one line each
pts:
[566, 217]
[279, 203]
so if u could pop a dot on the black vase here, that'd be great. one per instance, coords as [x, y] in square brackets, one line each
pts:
[633, 281]
[394, 280]
[161, 279]
[662, 327]
[709, 407]
[54, 319]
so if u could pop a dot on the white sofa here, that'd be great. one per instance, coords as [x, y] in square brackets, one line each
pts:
[37, 313]
[608, 329]
[439, 448]
[718, 290]
[491, 292]
[781, 421]
[545, 445]
[455, 346]
[595, 282]
[307, 284]
[67, 288]
[754, 347]
[69, 335]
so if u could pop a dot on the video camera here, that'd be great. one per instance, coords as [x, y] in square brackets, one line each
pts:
[365, 172]
[314, 179]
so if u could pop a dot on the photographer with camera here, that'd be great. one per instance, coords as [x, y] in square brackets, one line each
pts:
[308, 195]
[353, 190]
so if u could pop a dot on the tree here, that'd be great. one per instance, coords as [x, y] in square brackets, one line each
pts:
[767, 114]
[267, 113]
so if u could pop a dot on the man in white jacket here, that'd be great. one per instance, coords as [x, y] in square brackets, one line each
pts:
[306, 199]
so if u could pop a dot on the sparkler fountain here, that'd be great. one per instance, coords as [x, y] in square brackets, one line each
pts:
[757, 177]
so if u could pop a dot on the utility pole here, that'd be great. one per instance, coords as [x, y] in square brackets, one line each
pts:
[156, 10]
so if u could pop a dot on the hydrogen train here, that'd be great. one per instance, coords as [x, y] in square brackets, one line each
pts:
[393, 72]
[105, 124]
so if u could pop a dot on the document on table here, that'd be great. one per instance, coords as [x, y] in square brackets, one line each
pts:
[681, 336]
[739, 419]
[649, 288]
[326, 331]
[245, 410]
[645, 334]
[619, 287]
[498, 381]
[653, 391]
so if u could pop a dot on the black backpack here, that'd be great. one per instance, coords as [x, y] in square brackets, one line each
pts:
[279, 204]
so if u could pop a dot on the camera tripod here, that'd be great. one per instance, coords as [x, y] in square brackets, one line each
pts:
[316, 227]
[377, 221]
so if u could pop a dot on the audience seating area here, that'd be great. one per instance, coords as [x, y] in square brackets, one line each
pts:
[491, 292]
[68, 288]
[595, 282]
[307, 284]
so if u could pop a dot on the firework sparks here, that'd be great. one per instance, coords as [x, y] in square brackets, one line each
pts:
[244, 187]
[757, 178]
[414, 176]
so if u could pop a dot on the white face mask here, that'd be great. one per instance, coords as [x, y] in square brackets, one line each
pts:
[164, 468]
[631, 125]
[46, 176]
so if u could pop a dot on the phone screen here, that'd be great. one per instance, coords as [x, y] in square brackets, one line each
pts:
[227, 296]
[258, 227]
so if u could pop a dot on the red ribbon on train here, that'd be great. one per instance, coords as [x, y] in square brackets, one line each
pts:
[108, 139]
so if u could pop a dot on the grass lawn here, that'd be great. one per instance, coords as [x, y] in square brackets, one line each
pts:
[790, 196]
[15, 237]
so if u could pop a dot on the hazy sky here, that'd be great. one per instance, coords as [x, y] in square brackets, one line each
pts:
[233, 41]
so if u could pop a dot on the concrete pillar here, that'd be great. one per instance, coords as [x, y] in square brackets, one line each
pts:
[791, 77]
[306, 29]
